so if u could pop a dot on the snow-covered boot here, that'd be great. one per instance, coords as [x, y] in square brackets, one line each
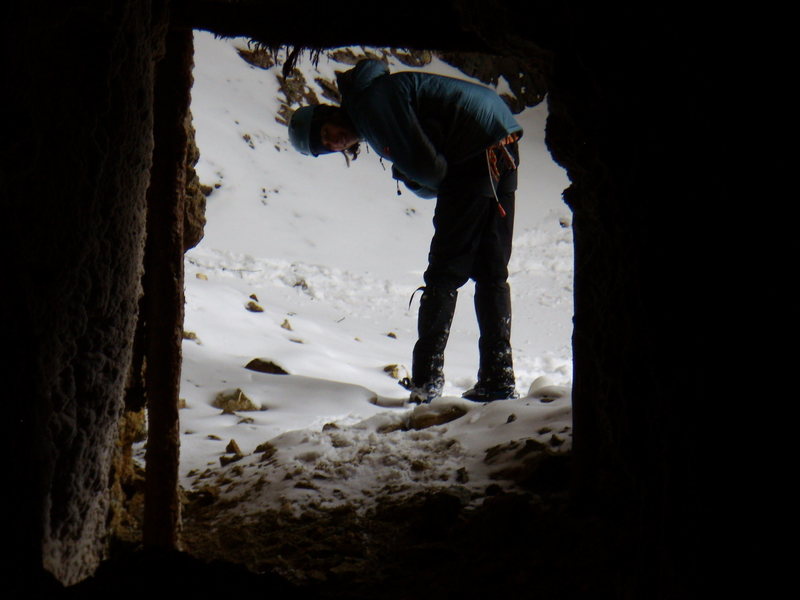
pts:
[421, 394]
[496, 379]
[436, 309]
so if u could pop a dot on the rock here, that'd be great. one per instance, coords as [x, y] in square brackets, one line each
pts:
[286, 325]
[267, 450]
[393, 371]
[525, 76]
[263, 365]
[226, 460]
[233, 448]
[425, 416]
[194, 211]
[412, 58]
[202, 276]
[512, 451]
[231, 401]
[545, 390]
[263, 58]
[252, 306]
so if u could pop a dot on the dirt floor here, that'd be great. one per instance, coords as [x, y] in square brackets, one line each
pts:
[524, 543]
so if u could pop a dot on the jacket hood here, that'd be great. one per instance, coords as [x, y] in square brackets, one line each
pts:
[357, 79]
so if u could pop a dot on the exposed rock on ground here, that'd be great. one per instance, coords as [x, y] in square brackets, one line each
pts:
[231, 401]
[263, 365]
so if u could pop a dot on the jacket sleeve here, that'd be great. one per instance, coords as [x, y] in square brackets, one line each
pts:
[415, 187]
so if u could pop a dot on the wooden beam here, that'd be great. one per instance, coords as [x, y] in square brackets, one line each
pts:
[163, 290]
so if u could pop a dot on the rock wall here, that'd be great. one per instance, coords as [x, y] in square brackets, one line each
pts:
[76, 167]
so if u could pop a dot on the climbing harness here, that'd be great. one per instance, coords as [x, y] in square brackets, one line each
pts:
[493, 153]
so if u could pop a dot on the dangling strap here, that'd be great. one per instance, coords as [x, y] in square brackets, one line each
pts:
[414, 293]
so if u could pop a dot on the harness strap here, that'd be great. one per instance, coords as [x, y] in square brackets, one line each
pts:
[492, 158]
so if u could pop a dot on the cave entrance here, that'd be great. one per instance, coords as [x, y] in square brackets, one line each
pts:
[297, 320]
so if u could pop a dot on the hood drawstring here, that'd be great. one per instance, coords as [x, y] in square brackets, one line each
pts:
[494, 170]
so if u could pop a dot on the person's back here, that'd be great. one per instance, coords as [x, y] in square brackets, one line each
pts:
[422, 122]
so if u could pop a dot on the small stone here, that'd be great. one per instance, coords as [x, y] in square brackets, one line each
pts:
[226, 460]
[393, 371]
[231, 401]
[253, 307]
[511, 418]
[202, 276]
[286, 325]
[267, 450]
[392, 335]
[424, 417]
[263, 365]
[246, 421]
[305, 485]
[233, 448]
[253, 297]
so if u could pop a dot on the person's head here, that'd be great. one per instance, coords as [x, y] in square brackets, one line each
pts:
[320, 129]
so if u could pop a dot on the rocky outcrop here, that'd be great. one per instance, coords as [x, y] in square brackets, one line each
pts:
[526, 77]
[195, 208]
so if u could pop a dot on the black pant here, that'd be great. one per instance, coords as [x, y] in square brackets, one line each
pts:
[472, 240]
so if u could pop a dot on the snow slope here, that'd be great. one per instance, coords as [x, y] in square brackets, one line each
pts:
[332, 255]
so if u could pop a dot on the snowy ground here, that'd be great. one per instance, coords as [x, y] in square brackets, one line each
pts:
[331, 256]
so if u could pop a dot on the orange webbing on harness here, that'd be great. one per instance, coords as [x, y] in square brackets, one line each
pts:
[494, 170]
[491, 155]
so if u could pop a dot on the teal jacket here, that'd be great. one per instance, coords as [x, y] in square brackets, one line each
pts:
[422, 122]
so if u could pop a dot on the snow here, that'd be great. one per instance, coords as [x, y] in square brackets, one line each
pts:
[332, 254]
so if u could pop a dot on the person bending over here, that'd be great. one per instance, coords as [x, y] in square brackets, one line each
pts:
[455, 141]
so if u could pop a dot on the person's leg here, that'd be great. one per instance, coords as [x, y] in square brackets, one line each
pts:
[460, 215]
[436, 309]
[496, 379]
